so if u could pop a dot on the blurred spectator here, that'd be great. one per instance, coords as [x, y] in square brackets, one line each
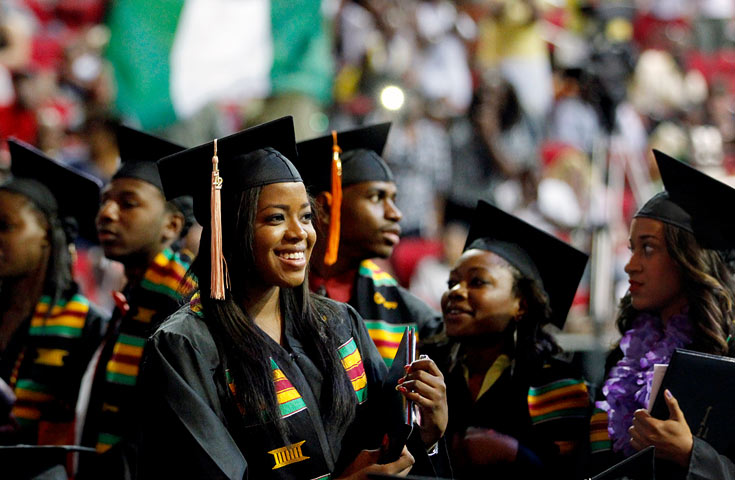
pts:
[429, 279]
[714, 27]
[495, 143]
[510, 39]
[418, 153]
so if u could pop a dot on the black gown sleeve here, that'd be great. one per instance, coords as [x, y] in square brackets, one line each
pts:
[183, 434]
[706, 464]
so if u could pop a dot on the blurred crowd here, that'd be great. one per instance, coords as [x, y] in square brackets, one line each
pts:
[548, 109]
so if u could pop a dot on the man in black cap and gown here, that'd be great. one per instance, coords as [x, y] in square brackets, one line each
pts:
[137, 227]
[358, 221]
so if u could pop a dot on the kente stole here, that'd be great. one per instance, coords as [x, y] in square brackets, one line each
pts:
[156, 297]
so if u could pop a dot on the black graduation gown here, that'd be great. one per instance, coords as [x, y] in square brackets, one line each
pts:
[706, 464]
[113, 400]
[190, 426]
[505, 408]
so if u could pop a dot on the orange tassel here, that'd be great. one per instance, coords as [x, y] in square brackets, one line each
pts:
[330, 257]
[219, 267]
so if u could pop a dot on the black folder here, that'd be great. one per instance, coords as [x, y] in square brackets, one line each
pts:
[704, 386]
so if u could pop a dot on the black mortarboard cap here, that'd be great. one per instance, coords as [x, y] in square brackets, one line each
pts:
[217, 172]
[557, 266]
[693, 201]
[189, 171]
[361, 158]
[56, 189]
[139, 152]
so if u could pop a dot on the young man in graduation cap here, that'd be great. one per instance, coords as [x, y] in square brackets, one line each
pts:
[358, 221]
[48, 330]
[138, 228]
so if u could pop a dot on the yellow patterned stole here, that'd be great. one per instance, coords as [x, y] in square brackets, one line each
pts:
[52, 337]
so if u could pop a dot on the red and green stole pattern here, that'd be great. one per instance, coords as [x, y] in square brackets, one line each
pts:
[563, 399]
[352, 363]
[51, 340]
[289, 399]
[161, 289]
[599, 436]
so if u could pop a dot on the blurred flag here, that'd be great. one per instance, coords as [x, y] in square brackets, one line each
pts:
[172, 57]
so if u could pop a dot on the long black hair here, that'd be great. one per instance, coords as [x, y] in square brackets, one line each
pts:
[534, 345]
[246, 347]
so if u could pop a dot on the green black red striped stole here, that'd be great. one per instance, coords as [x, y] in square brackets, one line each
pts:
[52, 337]
[164, 283]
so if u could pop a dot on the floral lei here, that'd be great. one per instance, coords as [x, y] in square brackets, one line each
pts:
[628, 386]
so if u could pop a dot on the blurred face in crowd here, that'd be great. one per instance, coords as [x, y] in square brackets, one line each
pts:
[655, 278]
[24, 242]
[284, 235]
[369, 220]
[480, 299]
[133, 223]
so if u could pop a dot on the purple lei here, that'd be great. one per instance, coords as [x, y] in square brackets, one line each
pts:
[628, 386]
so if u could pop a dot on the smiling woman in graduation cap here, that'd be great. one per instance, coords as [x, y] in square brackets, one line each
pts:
[257, 377]
[515, 409]
[681, 296]
[48, 330]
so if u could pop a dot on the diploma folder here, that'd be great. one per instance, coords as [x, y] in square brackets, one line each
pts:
[704, 386]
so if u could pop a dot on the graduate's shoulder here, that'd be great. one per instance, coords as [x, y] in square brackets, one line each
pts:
[334, 312]
[188, 326]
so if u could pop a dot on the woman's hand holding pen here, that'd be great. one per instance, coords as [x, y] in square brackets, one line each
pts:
[424, 385]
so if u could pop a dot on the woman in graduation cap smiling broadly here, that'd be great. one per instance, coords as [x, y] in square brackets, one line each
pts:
[514, 409]
[681, 296]
[48, 330]
[257, 377]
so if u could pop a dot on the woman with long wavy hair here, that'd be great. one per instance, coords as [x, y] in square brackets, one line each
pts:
[681, 295]
[257, 377]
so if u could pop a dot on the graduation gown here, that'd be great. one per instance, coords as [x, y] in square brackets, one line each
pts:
[706, 464]
[112, 406]
[547, 415]
[192, 428]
